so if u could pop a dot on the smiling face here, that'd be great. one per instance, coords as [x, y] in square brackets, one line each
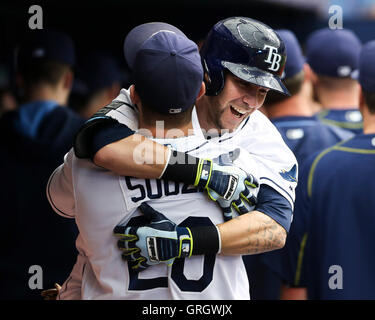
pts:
[232, 105]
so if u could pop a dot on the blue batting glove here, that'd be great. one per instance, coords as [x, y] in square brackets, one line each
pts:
[229, 185]
[158, 241]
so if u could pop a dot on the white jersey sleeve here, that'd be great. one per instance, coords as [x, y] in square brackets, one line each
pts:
[123, 110]
[277, 165]
[60, 192]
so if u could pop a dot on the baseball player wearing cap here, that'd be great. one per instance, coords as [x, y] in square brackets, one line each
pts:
[333, 57]
[35, 138]
[172, 54]
[305, 135]
[333, 225]
[97, 83]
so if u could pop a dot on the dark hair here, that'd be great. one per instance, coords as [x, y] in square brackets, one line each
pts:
[293, 84]
[370, 100]
[48, 72]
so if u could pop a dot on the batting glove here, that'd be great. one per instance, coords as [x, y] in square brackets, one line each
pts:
[228, 185]
[159, 241]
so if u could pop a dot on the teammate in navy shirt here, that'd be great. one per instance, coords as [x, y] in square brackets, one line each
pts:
[348, 119]
[333, 243]
[333, 57]
[304, 134]
[38, 247]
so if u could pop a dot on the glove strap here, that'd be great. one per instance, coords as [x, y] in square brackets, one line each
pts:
[181, 167]
[203, 173]
[185, 240]
[207, 240]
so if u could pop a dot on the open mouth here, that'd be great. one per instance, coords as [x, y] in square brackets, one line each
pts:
[237, 112]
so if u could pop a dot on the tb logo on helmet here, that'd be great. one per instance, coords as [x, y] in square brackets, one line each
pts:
[273, 58]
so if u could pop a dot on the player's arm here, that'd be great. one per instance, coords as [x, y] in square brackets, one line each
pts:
[134, 155]
[264, 229]
[161, 241]
[117, 148]
[251, 233]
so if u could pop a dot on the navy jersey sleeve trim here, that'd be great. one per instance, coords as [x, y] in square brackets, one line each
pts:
[108, 134]
[274, 205]
[97, 133]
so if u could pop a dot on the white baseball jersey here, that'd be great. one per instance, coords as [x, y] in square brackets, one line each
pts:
[100, 200]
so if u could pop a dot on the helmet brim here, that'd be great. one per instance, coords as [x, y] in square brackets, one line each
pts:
[256, 76]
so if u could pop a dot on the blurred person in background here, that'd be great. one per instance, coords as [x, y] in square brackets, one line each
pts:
[38, 247]
[333, 58]
[333, 236]
[304, 134]
[8, 100]
[97, 83]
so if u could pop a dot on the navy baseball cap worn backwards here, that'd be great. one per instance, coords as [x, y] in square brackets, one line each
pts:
[46, 45]
[333, 53]
[166, 67]
[294, 63]
[367, 67]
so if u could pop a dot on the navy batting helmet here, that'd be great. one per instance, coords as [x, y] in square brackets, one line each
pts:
[246, 47]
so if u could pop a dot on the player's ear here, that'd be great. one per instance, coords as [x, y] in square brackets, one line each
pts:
[68, 79]
[134, 96]
[202, 91]
[308, 72]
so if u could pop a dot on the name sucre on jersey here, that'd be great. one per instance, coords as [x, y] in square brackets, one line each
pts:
[136, 191]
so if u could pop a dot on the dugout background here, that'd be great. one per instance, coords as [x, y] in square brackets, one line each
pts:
[104, 24]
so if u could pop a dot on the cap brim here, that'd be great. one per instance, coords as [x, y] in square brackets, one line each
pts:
[256, 76]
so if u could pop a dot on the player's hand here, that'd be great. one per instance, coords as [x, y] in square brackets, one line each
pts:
[229, 185]
[159, 241]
